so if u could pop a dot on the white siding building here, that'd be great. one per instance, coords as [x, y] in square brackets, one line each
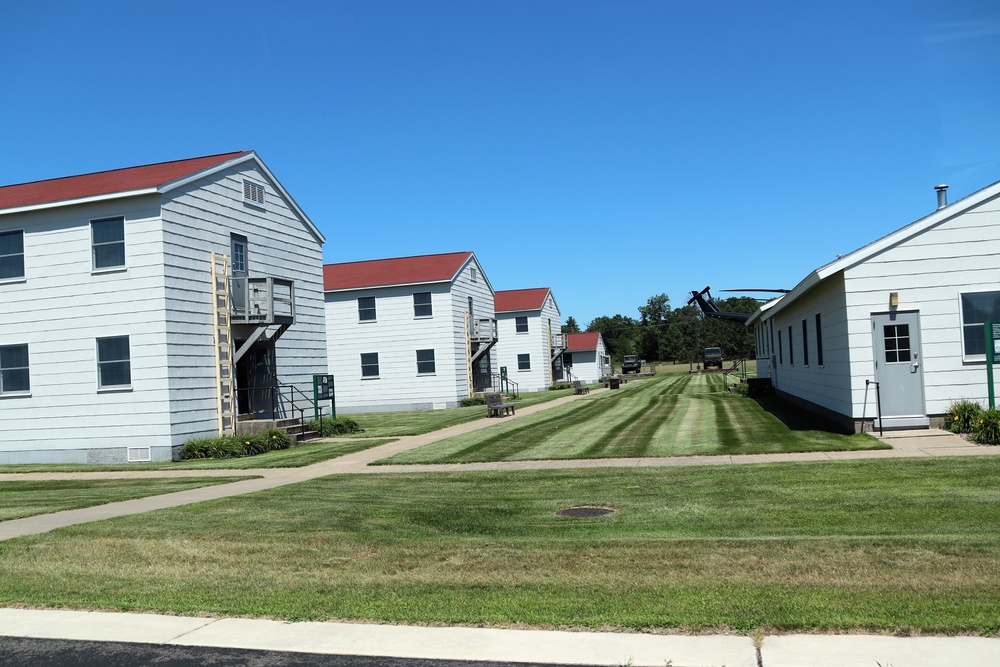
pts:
[586, 358]
[531, 345]
[905, 311]
[109, 292]
[409, 333]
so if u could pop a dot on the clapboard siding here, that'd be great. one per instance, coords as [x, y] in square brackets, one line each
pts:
[198, 220]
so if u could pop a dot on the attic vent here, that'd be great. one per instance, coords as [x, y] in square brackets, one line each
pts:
[138, 454]
[253, 193]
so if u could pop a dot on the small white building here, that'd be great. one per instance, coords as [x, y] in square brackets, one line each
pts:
[132, 298]
[586, 358]
[531, 342]
[905, 312]
[409, 333]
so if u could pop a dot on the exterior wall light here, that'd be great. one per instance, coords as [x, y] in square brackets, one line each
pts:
[894, 299]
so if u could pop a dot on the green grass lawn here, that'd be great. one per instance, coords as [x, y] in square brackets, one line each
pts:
[296, 457]
[418, 422]
[670, 415]
[28, 498]
[889, 545]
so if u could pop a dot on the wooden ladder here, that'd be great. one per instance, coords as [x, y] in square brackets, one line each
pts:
[223, 345]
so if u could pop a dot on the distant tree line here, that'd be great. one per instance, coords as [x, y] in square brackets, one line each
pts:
[678, 335]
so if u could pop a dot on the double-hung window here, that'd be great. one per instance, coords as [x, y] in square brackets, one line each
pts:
[791, 350]
[114, 365]
[108, 238]
[366, 309]
[12, 255]
[521, 324]
[819, 340]
[524, 362]
[978, 308]
[14, 369]
[422, 304]
[805, 343]
[369, 365]
[425, 362]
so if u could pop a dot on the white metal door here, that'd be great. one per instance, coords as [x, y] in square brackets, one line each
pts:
[899, 369]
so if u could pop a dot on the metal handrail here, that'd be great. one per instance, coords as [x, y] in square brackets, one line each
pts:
[503, 384]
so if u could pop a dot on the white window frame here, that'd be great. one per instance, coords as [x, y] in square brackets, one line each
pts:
[94, 246]
[517, 324]
[373, 309]
[431, 361]
[124, 386]
[429, 305]
[20, 278]
[15, 392]
[524, 359]
[253, 193]
[369, 365]
[963, 325]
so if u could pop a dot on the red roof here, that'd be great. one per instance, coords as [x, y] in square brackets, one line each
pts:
[520, 299]
[395, 271]
[106, 182]
[582, 341]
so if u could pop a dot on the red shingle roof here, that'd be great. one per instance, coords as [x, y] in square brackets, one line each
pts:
[106, 182]
[582, 341]
[520, 299]
[395, 271]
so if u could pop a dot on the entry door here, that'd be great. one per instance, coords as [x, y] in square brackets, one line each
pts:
[899, 368]
[238, 270]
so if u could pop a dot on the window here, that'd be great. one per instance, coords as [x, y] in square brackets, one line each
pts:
[422, 304]
[366, 309]
[819, 341]
[239, 247]
[108, 238]
[805, 344]
[781, 353]
[791, 350]
[977, 309]
[524, 362]
[12, 255]
[425, 362]
[114, 368]
[472, 273]
[897, 343]
[568, 359]
[369, 365]
[253, 193]
[521, 324]
[14, 369]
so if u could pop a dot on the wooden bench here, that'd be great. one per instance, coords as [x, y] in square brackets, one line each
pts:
[578, 388]
[495, 407]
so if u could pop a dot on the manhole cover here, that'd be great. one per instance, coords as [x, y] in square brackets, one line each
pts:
[584, 511]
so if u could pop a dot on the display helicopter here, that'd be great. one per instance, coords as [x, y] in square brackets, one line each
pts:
[707, 303]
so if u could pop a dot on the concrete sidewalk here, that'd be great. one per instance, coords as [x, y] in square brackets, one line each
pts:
[493, 644]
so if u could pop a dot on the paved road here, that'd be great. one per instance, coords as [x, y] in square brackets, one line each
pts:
[26, 652]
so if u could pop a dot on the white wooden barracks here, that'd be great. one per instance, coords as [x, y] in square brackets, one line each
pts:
[906, 311]
[107, 333]
[531, 343]
[409, 333]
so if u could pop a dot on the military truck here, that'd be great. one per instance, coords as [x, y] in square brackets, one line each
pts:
[631, 364]
[713, 357]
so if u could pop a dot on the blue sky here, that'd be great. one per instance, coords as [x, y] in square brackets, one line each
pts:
[609, 150]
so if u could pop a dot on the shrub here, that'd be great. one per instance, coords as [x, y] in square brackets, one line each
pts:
[254, 444]
[741, 389]
[227, 447]
[963, 416]
[469, 401]
[329, 427]
[987, 431]
[561, 385]
[276, 439]
[196, 449]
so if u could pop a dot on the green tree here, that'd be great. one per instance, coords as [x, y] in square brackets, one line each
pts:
[571, 326]
[620, 334]
[654, 318]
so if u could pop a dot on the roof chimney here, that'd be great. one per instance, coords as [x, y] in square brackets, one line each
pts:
[942, 191]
